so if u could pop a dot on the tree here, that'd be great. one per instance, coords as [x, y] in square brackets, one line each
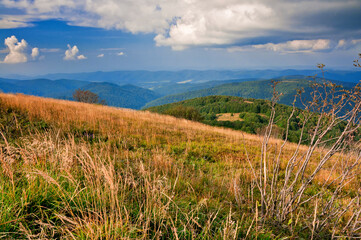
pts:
[87, 96]
[186, 112]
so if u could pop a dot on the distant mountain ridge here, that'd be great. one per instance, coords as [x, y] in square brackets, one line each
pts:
[137, 77]
[127, 96]
[251, 89]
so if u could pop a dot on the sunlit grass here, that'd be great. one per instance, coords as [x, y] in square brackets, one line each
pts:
[81, 171]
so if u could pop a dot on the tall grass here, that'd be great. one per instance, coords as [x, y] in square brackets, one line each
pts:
[80, 171]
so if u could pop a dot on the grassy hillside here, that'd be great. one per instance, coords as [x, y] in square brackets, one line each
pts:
[79, 171]
[250, 89]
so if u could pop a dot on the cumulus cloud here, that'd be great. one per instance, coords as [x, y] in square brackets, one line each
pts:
[72, 53]
[347, 44]
[204, 26]
[297, 46]
[356, 41]
[100, 55]
[81, 57]
[8, 21]
[35, 53]
[17, 49]
[185, 23]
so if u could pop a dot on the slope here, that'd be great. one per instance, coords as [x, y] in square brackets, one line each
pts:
[75, 170]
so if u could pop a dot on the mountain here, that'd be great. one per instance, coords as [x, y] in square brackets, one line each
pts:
[187, 86]
[246, 114]
[40, 87]
[150, 79]
[127, 96]
[251, 89]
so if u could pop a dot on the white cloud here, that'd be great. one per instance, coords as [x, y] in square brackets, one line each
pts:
[347, 44]
[341, 43]
[297, 46]
[100, 55]
[35, 53]
[120, 53]
[81, 57]
[185, 23]
[8, 22]
[16, 50]
[226, 24]
[72, 53]
[356, 41]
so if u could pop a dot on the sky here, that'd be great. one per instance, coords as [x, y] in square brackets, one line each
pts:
[61, 36]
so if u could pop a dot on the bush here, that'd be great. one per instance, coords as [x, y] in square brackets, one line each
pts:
[87, 96]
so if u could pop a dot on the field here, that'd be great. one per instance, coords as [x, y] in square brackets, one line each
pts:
[79, 171]
[228, 117]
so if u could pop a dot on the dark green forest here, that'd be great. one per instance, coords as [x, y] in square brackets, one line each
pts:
[253, 115]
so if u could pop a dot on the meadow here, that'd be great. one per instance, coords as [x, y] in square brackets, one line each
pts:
[72, 170]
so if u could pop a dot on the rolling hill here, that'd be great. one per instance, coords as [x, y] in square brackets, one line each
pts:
[250, 89]
[40, 87]
[127, 96]
[170, 88]
[246, 114]
[83, 171]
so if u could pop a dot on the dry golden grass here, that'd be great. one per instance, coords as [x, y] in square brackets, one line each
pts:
[124, 174]
[228, 117]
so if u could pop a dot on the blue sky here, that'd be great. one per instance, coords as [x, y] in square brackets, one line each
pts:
[48, 36]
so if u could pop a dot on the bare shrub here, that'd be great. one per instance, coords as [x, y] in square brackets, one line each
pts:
[310, 188]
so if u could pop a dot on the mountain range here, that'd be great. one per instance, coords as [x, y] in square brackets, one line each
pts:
[142, 89]
[171, 82]
[260, 89]
[127, 96]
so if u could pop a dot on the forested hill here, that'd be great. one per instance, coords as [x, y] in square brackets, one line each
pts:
[249, 115]
[251, 89]
[126, 96]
